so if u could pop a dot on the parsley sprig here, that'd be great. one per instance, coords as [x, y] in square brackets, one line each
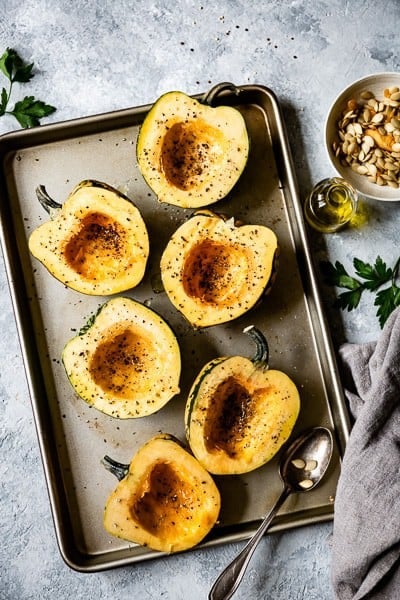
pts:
[371, 278]
[28, 111]
[89, 322]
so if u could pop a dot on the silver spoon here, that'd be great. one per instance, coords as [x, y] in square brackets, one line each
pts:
[302, 467]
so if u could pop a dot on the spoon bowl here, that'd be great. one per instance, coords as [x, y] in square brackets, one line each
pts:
[305, 461]
[302, 466]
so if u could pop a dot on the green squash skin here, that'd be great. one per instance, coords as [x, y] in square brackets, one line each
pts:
[101, 185]
[192, 398]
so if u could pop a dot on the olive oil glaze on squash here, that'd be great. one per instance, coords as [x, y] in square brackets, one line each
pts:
[95, 243]
[191, 154]
[164, 500]
[214, 270]
[239, 412]
[126, 362]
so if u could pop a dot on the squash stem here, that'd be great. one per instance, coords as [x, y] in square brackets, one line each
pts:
[116, 468]
[49, 205]
[262, 350]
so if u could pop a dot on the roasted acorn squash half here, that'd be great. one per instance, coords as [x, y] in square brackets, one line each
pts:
[95, 243]
[214, 270]
[189, 153]
[165, 499]
[239, 412]
[125, 361]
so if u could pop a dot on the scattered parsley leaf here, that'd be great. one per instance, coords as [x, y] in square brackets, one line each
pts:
[90, 321]
[14, 68]
[28, 111]
[387, 300]
[373, 276]
[337, 275]
[349, 300]
[7, 61]
[4, 100]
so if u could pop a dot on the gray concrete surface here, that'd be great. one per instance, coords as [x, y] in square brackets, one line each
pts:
[101, 55]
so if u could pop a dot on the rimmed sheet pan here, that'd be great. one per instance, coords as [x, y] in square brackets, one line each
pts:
[73, 437]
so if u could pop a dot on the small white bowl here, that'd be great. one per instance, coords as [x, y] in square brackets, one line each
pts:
[376, 84]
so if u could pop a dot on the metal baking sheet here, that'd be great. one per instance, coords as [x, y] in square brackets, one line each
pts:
[73, 437]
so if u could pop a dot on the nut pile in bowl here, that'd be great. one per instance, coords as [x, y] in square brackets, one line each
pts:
[369, 137]
[363, 136]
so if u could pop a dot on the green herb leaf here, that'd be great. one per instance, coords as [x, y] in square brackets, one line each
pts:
[89, 322]
[7, 63]
[14, 68]
[375, 276]
[349, 300]
[23, 73]
[387, 300]
[29, 110]
[337, 275]
[4, 101]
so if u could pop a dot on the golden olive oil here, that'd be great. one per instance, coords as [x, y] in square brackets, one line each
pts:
[331, 204]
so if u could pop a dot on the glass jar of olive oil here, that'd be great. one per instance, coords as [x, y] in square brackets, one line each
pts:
[331, 204]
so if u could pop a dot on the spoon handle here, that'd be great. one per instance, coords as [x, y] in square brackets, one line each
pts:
[228, 582]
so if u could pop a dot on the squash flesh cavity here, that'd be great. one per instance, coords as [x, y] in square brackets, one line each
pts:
[191, 154]
[162, 496]
[97, 244]
[124, 360]
[214, 271]
[167, 501]
[232, 415]
[189, 150]
[96, 249]
[127, 364]
[238, 415]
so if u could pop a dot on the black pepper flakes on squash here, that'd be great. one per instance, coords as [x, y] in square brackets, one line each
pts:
[126, 362]
[164, 500]
[239, 412]
[191, 154]
[96, 242]
[214, 270]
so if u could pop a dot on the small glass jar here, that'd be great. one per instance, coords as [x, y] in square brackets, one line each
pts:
[331, 204]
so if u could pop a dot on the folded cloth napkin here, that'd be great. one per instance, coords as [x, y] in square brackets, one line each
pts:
[366, 527]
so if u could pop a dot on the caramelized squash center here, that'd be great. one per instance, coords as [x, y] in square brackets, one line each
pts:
[189, 150]
[98, 246]
[215, 272]
[166, 502]
[229, 417]
[122, 364]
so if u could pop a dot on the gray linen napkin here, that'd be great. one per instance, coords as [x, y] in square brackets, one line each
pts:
[366, 528]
